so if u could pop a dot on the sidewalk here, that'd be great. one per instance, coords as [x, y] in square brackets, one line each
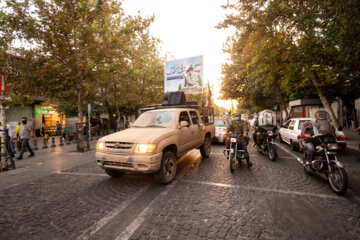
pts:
[352, 138]
[45, 162]
[57, 145]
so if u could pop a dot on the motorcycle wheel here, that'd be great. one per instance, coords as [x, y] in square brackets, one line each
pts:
[272, 152]
[232, 163]
[338, 180]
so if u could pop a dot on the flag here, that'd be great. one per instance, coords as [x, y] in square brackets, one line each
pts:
[232, 110]
[208, 98]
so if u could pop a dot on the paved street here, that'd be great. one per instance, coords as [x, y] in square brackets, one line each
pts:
[65, 195]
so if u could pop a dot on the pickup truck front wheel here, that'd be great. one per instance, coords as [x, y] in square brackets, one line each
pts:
[168, 168]
[113, 173]
[205, 149]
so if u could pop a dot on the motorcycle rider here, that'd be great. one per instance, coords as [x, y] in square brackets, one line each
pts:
[239, 127]
[307, 132]
[310, 146]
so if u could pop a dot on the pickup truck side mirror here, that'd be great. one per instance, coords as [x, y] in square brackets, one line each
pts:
[184, 124]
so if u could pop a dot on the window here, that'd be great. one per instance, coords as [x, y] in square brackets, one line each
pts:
[184, 116]
[155, 119]
[301, 122]
[194, 117]
[287, 124]
[292, 125]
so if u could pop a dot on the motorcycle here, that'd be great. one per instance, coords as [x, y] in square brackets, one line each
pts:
[266, 142]
[266, 133]
[325, 159]
[232, 152]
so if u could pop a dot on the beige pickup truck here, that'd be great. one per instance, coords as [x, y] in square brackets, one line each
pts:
[154, 142]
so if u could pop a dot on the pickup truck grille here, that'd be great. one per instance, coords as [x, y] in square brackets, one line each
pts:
[118, 145]
[120, 164]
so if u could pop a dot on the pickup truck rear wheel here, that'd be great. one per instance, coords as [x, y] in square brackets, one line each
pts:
[113, 173]
[168, 168]
[205, 149]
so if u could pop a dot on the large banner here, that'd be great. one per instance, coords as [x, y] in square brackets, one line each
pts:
[184, 75]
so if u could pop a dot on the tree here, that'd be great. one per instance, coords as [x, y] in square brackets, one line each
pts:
[313, 37]
[88, 52]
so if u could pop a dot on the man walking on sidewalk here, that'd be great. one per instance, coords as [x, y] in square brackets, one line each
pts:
[25, 130]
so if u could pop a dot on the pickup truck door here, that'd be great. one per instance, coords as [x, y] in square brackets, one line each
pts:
[185, 133]
[197, 129]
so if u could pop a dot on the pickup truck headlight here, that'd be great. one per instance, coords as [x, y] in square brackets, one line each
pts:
[145, 148]
[100, 146]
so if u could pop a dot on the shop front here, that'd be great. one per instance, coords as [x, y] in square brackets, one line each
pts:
[46, 118]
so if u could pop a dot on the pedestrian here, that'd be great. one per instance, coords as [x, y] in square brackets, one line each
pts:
[17, 132]
[25, 131]
[58, 128]
[46, 137]
[66, 132]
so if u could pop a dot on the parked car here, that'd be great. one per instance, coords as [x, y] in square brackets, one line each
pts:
[221, 125]
[290, 132]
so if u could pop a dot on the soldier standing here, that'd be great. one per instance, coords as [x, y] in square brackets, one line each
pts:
[239, 127]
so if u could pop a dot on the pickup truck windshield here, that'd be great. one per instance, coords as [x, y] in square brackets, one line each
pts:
[155, 119]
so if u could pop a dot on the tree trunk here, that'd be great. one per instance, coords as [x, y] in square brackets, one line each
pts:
[112, 123]
[340, 112]
[280, 114]
[80, 115]
[285, 108]
[3, 124]
[315, 80]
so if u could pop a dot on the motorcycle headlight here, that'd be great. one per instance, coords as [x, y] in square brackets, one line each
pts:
[145, 148]
[270, 133]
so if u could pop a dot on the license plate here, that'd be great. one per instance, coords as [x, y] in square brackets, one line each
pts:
[233, 139]
[112, 158]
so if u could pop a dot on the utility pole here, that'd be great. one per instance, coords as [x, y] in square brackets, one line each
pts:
[3, 123]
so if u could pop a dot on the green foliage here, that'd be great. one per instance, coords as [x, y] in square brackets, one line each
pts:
[85, 52]
[278, 44]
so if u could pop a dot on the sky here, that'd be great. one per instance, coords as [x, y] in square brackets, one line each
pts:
[186, 29]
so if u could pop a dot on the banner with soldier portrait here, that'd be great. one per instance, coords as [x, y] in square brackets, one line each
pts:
[184, 75]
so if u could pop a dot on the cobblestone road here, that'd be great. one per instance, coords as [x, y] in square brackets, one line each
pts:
[271, 200]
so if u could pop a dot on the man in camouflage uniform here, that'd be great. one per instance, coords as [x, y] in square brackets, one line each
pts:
[239, 127]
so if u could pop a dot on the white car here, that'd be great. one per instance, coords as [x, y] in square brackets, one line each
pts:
[221, 125]
[290, 132]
